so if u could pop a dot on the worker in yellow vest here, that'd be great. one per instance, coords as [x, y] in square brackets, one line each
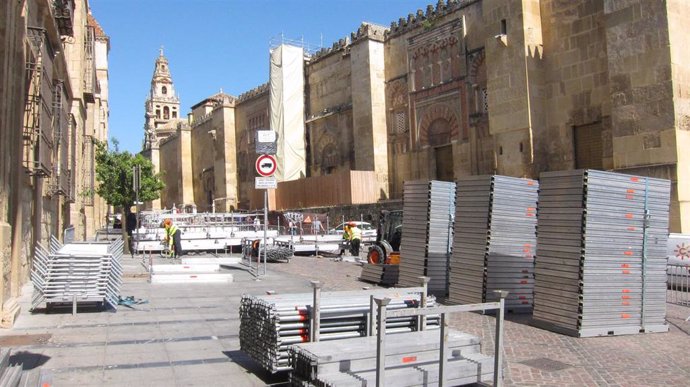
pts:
[173, 236]
[355, 239]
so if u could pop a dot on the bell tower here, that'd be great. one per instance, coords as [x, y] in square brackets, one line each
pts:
[162, 104]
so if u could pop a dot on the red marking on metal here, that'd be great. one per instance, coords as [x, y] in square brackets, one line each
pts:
[631, 229]
[530, 182]
[522, 297]
[626, 290]
[628, 252]
[635, 179]
[409, 359]
[625, 303]
[625, 315]
[625, 297]
[523, 282]
[629, 197]
[629, 215]
[626, 271]
[630, 191]
[625, 265]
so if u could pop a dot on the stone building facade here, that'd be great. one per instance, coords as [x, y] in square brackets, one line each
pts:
[512, 87]
[54, 105]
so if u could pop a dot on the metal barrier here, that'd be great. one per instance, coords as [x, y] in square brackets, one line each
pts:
[443, 311]
[678, 291]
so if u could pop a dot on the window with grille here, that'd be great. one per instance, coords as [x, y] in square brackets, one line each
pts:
[400, 123]
[485, 100]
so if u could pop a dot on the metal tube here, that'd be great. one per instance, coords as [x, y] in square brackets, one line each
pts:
[381, 341]
[498, 351]
[315, 312]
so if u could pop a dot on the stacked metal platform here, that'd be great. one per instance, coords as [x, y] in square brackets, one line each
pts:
[495, 239]
[380, 274]
[269, 324]
[411, 360]
[429, 208]
[77, 272]
[601, 253]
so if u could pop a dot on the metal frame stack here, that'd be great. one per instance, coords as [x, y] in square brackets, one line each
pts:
[269, 324]
[386, 275]
[77, 272]
[411, 359]
[428, 208]
[495, 239]
[601, 253]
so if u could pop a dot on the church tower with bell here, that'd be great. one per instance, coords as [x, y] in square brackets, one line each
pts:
[162, 105]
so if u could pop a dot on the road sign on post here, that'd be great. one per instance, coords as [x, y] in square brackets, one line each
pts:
[266, 165]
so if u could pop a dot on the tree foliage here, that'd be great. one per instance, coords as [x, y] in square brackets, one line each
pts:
[114, 172]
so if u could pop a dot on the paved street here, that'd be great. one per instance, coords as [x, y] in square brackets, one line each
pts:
[187, 335]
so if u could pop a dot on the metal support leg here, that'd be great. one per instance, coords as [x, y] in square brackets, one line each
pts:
[380, 342]
[372, 316]
[74, 305]
[443, 357]
[498, 351]
[315, 322]
[421, 320]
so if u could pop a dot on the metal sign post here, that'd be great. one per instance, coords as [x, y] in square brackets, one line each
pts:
[266, 165]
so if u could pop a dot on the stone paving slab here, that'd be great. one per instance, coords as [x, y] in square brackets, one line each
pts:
[187, 335]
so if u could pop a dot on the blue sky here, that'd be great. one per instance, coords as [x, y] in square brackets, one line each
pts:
[214, 44]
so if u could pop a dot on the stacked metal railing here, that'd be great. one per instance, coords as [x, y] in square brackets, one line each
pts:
[411, 359]
[429, 208]
[601, 253]
[77, 272]
[269, 324]
[495, 240]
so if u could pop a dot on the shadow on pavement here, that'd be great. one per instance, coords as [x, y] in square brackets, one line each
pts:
[252, 367]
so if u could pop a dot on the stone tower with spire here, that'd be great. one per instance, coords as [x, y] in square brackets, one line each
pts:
[162, 105]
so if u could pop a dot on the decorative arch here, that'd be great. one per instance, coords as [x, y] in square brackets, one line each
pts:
[477, 70]
[166, 113]
[438, 123]
[164, 90]
[328, 155]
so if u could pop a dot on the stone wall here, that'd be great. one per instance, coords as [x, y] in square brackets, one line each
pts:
[678, 20]
[251, 113]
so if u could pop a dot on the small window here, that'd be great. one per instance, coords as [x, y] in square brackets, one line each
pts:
[500, 150]
[504, 27]
[174, 114]
[166, 113]
[158, 113]
[520, 147]
[164, 90]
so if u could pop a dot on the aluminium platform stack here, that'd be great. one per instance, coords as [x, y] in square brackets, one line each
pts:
[495, 239]
[269, 324]
[427, 229]
[601, 253]
[411, 359]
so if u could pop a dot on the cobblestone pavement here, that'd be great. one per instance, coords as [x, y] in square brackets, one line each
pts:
[536, 357]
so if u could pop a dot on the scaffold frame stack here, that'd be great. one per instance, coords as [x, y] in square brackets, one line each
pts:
[77, 273]
[427, 229]
[601, 253]
[495, 240]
